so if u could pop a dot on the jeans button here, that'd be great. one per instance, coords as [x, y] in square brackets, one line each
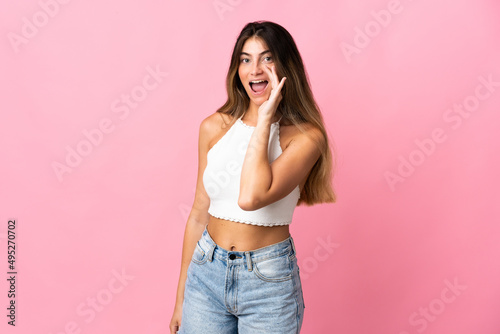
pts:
[232, 256]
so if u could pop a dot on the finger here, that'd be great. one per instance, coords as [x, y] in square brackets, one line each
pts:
[273, 78]
[284, 79]
[270, 75]
[281, 84]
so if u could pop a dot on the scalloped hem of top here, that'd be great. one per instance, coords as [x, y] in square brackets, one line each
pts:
[251, 223]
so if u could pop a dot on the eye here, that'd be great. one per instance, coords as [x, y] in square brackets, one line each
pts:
[268, 59]
[244, 60]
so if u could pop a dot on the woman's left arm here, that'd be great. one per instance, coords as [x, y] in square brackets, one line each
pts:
[262, 183]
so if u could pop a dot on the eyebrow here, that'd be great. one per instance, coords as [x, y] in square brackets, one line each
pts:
[247, 54]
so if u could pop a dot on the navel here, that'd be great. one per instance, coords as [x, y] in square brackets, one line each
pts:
[233, 248]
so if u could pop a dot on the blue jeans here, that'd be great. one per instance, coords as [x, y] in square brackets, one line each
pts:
[251, 292]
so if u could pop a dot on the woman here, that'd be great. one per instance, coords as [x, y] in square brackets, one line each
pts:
[261, 154]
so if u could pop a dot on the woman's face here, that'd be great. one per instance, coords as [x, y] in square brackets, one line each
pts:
[254, 56]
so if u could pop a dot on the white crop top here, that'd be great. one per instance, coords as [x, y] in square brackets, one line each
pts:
[221, 179]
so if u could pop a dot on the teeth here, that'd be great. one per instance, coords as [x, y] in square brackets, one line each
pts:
[257, 81]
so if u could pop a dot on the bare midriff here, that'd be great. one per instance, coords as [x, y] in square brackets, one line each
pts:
[235, 236]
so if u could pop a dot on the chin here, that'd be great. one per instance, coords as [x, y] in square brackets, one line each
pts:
[259, 100]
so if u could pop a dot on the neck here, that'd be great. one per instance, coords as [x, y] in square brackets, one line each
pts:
[252, 114]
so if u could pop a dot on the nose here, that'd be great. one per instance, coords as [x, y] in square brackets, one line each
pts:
[256, 68]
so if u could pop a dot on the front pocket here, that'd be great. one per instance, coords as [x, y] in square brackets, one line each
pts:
[199, 255]
[276, 269]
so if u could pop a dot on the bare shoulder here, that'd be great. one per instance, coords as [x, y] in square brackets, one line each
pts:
[314, 132]
[216, 121]
[212, 126]
[291, 134]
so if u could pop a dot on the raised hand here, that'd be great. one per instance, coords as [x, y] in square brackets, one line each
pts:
[268, 108]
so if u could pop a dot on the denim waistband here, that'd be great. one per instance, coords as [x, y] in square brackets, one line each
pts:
[245, 257]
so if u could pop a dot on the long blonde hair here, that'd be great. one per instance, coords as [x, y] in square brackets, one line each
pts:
[297, 105]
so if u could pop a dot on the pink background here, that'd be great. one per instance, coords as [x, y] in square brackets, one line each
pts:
[381, 260]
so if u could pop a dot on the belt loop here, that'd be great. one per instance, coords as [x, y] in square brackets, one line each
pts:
[211, 252]
[249, 260]
[293, 246]
[209, 241]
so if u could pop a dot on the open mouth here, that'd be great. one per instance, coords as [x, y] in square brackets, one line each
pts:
[258, 86]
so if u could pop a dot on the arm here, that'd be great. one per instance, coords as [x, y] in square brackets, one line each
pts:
[262, 183]
[199, 217]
